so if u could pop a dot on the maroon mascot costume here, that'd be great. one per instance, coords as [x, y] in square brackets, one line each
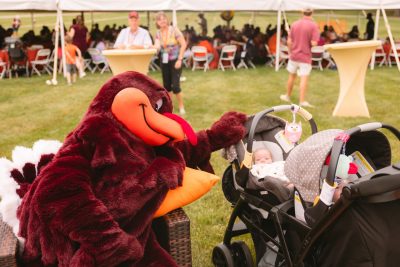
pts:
[93, 203]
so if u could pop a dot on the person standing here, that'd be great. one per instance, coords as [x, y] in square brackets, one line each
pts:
[133, 36]
[303, 35]
[172, 45]
[370, 29]
[203, 24]
[79, 34]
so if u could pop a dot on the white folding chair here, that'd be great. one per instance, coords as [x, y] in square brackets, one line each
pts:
[153, 64]
[199, 57]
[283, 55]
[242, 63]
[317, 55]
[270, 56]
[87, 65]
[41, 59]
[3, 67]
[380, 56]
[97, 59]
[326, 56]
[392, 56]
[228, 53]
[36, 47]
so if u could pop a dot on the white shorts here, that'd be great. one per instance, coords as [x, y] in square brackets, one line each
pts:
[302, 69]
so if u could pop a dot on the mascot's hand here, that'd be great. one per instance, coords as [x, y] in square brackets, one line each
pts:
[126, 249]
[168, 156]
[228, 130]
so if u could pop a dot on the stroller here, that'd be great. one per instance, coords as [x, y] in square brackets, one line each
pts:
[359, 229]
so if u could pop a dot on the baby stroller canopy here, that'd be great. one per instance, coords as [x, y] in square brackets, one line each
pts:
[304, 164]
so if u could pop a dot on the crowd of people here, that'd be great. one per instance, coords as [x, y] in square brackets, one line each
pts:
[253, 36]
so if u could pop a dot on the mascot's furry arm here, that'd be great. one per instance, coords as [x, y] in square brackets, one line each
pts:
[228, 130]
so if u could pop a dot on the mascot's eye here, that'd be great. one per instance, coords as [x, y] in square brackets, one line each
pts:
[158, 104]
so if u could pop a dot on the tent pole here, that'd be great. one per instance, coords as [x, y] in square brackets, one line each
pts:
[278, 38]
[391, 37]
[251, 20]
[33, 21]
[287, 27]
[174, 18]
[372, 64]
[55, 66]
[148, 20]
[62, 33]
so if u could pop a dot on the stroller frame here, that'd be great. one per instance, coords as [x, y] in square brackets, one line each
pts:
[368, 189]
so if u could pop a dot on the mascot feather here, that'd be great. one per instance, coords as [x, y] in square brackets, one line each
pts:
[92, 203]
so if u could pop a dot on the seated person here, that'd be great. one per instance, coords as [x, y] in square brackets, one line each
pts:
[266, 174]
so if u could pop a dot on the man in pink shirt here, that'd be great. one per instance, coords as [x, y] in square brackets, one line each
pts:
[303, 35]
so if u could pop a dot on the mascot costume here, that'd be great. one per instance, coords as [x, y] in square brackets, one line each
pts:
[92, 203]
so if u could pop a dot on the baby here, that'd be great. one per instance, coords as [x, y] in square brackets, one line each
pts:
[264, 167]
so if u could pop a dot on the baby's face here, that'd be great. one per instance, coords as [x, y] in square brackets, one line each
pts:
[262, 156]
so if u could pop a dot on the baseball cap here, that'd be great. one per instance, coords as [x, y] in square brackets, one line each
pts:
[307, 10]
[133, 14]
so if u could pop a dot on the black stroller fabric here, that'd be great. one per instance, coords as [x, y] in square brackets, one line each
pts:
[365, 235]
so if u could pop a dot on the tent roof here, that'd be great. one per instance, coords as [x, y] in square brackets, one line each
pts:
[195, 5]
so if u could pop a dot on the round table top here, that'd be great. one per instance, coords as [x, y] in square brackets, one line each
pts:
[126, 52]
[359, 44]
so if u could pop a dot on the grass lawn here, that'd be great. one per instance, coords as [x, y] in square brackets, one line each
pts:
[31, 110]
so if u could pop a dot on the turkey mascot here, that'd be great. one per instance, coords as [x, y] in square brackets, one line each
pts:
[92, 204]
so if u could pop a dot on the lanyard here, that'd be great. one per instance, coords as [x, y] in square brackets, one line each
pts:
[165, 38]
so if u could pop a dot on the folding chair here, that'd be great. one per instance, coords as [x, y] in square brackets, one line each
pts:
[243, 59]
[87, 65]
[97, 60]
[317, 56]
[228, 53]
[326, 56]
[380, 56]
[3, 67]
[283, 55]
[41, 59]
[392, 56]
[36, 47]
[270, 56]
[199, 56]
[153, 64]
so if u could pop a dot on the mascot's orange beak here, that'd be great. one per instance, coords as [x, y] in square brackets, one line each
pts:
[132, 108]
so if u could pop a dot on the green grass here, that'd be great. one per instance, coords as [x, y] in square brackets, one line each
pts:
[31, 110]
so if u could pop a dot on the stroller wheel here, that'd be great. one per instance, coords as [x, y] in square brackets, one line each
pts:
[222, 257]
[241, 254]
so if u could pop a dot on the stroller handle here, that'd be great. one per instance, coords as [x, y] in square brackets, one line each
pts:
[295, 108]
[372, 187]
[340, 142]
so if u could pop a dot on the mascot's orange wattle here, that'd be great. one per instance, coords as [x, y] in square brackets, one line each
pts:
[94, 201]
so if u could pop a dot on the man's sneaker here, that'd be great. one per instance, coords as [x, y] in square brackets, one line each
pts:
[182, 111]
[82, 74]
[182, 79]
[306, 104]
[285, 98]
